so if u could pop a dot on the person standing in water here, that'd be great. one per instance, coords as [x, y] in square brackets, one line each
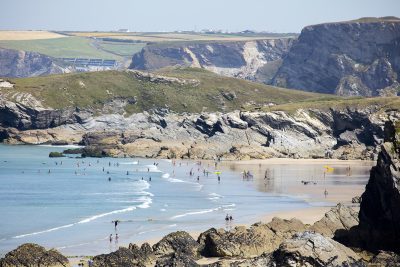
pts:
[111, 238]
[116, 238]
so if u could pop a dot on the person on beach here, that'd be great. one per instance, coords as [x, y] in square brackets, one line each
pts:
[150, 179]
[109, 179]
[219, 178]
[227, 218]
[230, 218]
[116, 238]
[116, 224]
[103, 169]
[198, 178]
[111, 238]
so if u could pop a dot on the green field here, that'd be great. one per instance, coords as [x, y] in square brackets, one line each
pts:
[60, 91]
[122, 49]
[61, 47]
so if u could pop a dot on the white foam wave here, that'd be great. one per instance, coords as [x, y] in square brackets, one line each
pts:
[45, 231]
[152, 168]
[129, 163]
[106, 214]
[146, 202]
[214, 196]
[194, 213]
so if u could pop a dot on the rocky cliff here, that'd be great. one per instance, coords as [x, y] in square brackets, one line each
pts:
[360, 57]
[379, 210]
[349, 133]
[252, 60]
[18, 63]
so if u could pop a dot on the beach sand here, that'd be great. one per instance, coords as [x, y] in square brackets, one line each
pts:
[341, 184]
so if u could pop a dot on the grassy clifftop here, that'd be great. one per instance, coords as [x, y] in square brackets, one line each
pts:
[212, 93]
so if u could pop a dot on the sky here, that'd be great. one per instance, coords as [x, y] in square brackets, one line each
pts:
[171, 15]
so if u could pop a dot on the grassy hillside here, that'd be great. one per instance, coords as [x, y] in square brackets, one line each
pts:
[383, 103]
[92, 90]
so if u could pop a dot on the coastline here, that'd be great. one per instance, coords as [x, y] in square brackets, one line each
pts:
[318, 204]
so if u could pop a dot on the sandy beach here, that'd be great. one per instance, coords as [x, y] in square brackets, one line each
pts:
[312, 193]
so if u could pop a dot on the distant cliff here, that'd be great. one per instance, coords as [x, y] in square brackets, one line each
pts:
[251, 60]
[360, 57]
[17, 63]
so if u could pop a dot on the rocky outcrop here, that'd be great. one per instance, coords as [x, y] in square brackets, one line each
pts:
[252, 60]
[243, 242]
[312, 249]
[379, 210]
[33, 255]
[177, 242]
[358, 57]
[352, 133]
[335, 221]
[18, 63]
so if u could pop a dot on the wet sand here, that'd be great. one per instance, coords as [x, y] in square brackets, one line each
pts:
[285, 176]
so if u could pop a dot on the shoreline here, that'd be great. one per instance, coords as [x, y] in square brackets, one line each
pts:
[308, 215]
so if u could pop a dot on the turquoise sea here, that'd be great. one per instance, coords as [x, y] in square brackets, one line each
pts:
[69, 203]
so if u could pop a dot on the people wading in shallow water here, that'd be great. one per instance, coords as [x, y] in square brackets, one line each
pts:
[111, 238]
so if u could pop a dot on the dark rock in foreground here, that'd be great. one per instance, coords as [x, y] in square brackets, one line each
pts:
[33, 255]
[380, 205]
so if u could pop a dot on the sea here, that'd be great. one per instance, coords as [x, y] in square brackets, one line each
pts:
[71, 203]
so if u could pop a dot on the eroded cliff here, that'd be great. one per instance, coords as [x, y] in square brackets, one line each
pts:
[358, 57]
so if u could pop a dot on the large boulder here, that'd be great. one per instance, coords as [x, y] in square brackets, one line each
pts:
[33, 255]
[243, 242]
[178, 242]
[312, 249]
[336, 221]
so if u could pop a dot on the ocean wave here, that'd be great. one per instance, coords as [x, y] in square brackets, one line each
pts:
[129, 163]
[146, 202]
[131, 208]
[152, 168]
[214, 196]
[45, 231]
[194, 213]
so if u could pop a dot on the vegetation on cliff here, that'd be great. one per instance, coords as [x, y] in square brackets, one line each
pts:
[211, 93]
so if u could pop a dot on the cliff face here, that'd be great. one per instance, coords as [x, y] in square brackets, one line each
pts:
[348, 58]
[379, 211]
[309, 133]
[17, 63]
[252, 60]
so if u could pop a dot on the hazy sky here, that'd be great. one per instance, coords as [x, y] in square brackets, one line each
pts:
[169, 15]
